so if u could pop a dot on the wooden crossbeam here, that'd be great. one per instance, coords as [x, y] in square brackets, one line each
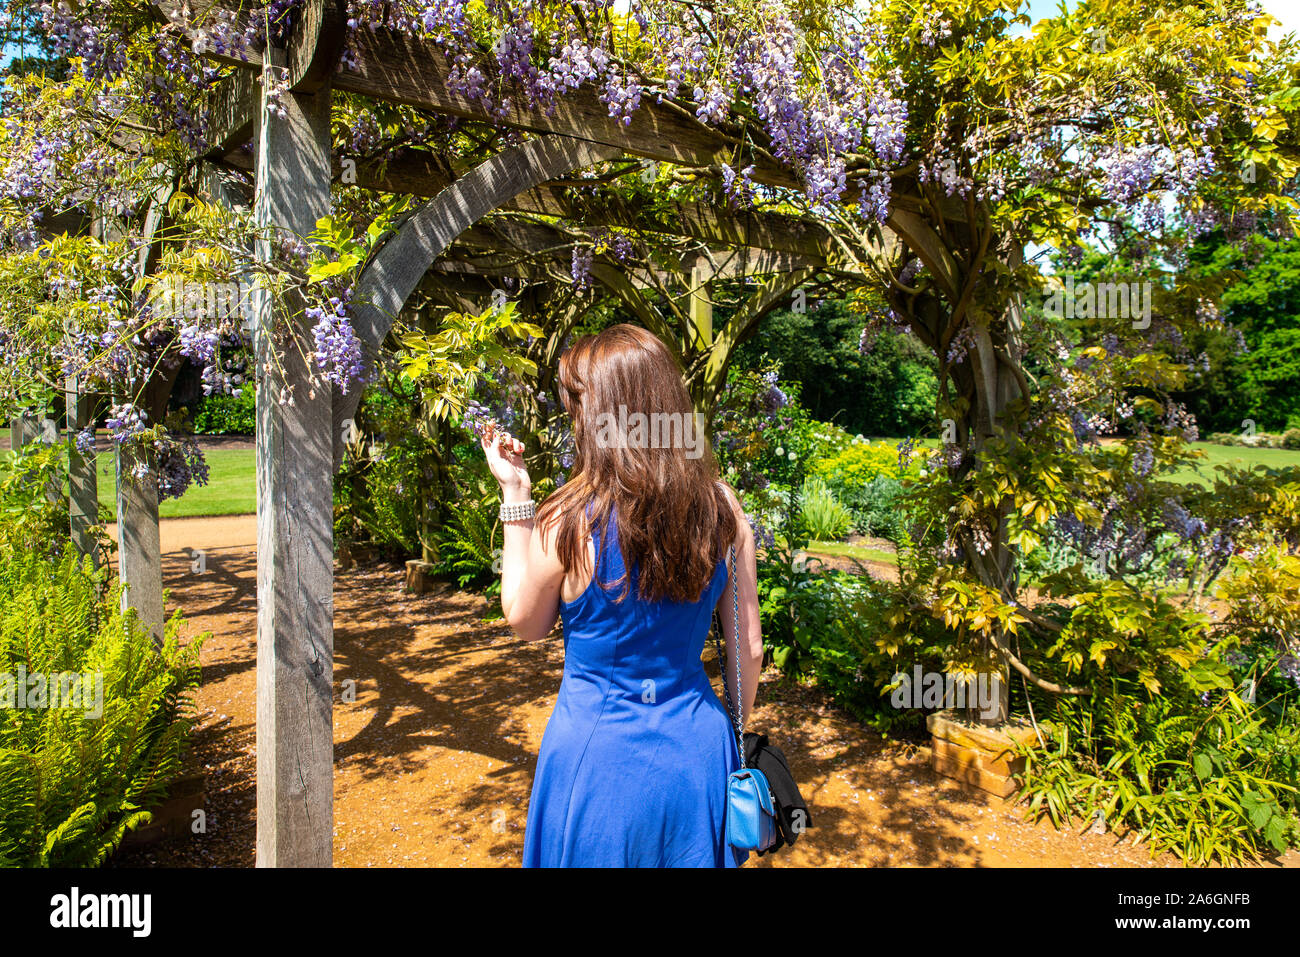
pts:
[230, 112]
[418, 173]
[397, 67]
[401, 68]
[502, 239]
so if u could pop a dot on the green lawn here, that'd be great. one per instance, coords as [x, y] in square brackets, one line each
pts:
[1235, 455]
[860, 552]
[231, 488]
[1214, 455]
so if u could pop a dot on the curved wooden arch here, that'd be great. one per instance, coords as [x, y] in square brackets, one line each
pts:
[390, 278]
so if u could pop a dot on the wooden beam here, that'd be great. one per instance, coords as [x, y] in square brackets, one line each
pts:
[394, 272]
[295, 523]
[231, 112]
[397, 67]
[920, 235]
[155, 222]
[505, 239]
[314, 50]
[400, 68]
[316, 44]
[699, 309]
[419, 173]
[83, 481]
[741, 228]
[139, 557]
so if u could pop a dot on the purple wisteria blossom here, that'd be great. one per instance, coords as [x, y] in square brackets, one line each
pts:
[338, 348]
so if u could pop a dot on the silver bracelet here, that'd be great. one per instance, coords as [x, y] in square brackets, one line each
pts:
[517, 511]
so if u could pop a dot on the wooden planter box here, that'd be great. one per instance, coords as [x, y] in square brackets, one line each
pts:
[419, 576]
[979, 756]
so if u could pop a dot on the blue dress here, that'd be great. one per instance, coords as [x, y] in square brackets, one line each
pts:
[633, 766]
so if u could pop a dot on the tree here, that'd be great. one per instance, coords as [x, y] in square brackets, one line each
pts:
[1253, 368]
[882, 387]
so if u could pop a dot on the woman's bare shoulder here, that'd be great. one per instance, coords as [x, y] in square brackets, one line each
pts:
[743, 529]
[554, 514]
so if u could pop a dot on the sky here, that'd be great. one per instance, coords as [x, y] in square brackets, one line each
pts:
[1287, 11]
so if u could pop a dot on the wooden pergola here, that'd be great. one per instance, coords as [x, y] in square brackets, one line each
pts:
[474, 215]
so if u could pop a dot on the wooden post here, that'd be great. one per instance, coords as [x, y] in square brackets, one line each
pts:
[23, 428]
[295, 540]
[139, 553]
[83, 483]
[139, 558]
[700, 311]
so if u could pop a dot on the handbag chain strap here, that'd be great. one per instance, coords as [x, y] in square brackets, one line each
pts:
[733, 708]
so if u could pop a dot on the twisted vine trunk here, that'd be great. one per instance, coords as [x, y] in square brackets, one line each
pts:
[980, 389]
[996, 382]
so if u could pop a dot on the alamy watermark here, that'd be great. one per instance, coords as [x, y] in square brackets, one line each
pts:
[654, 430]
[1101, 300]
[177, 299]
[938, 689]
[65, 689]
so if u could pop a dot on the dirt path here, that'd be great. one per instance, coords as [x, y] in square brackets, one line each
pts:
[434, 760]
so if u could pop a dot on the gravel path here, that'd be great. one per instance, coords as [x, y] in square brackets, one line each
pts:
[434, 760]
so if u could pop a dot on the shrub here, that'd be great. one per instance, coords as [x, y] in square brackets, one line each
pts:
[71, 784]
[762, 434]
[1210, 783]
[225, 414]
[468, 548]
[33, 506]
[857, 464]
[1291, 439]
[826, 518]
[794, 606]
[875, 507]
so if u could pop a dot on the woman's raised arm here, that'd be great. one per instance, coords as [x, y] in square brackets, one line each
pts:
[531, 573]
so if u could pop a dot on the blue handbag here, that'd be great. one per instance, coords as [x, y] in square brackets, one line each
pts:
[751, 815]
[751, 812]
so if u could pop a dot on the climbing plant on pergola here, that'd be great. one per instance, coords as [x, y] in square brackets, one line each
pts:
[983, 116]
[302, 439]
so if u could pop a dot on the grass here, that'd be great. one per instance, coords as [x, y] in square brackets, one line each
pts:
[860, 552]
[231, 488]
[1203, 471]
[1234, 455]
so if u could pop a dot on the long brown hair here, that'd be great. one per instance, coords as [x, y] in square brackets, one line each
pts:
[674, 522]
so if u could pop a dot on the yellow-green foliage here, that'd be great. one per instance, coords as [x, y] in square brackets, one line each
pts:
[857, 464]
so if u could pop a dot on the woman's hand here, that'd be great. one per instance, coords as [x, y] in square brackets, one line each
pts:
[505, 456]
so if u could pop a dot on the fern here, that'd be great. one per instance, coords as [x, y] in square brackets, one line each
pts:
[467, 543]
[72, 785]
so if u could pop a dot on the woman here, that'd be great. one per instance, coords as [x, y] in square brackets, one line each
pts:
[632, 554]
